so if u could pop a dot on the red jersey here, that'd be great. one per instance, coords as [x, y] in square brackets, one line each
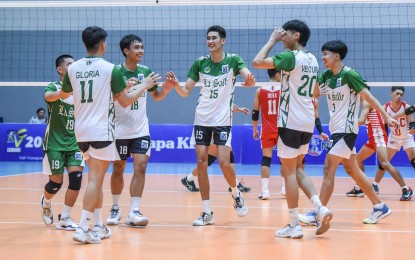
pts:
[374, 124]
[268, 98]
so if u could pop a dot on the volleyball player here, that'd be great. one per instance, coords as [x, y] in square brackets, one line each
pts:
[61, 150]
[295, 118]
[132, 133]
[344, 87]
[93, 82]
[216, 72]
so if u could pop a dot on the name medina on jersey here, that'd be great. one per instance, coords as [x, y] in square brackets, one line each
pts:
[86, 74]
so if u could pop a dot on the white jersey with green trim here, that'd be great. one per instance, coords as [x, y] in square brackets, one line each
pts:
[214, 107]
[299, 76]
[132, 121]
[90, 79]
[343, 99]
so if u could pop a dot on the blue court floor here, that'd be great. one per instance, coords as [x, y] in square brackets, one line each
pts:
[15, 168]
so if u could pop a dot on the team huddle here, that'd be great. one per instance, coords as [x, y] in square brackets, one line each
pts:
[97, 114]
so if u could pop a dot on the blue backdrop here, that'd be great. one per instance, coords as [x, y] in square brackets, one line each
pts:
[171, 143]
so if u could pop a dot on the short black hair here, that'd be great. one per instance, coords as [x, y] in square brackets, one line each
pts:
[40, 109]
[336, 46]
[301, 27]
[127, 40]
[217, 28]
[272, 72]
[92, 36]
[393, 89]
[61, 59]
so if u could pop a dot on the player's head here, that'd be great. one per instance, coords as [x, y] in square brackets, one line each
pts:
[215, 37]
[132, 47]
[296, 31]
[94, 39]
[62, 63]
[333, 52]
[274, 75]
[40, 112]
[397, 93]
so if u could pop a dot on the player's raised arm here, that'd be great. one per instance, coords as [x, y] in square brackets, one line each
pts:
[261, 60]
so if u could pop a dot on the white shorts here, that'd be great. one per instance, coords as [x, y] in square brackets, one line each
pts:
[108, 153]
[396, 144]
[284, 151]
[340, 145]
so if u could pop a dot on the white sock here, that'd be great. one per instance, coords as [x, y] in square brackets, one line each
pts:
[265, 182]
[375, 183]
[237, 182]
[66, 211]
[206, 206]
[315, 200]
[46, 201]
[135, 203]
[98, 217]
[86, 218]
[293, 217]
[356, 187]
[116, 199]
[235, 192]
[405, 187]
[379, 206]
[190, 177]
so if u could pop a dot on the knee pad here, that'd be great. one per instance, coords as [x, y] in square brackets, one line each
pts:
[266, 161]
[380, 167]
[53, 187]
[75, 180]
[232, 157]
[413, 163]
[211, 159]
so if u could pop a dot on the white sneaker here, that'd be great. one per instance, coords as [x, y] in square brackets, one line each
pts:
[324, 215]
[264, 195]
[308, 218]
[135, 218]
[115, 215]
[102, 231]
[86, 237]
[283, 193]
[46, 212]
[290, 232]
[65, 223]
[240, 206]
[204, 219]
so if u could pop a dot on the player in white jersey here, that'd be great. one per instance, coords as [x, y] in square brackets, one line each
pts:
[377, 140]
[132, 134]
[344, 87]
[400, 136]
[93, 82]
[213, 118]
[295, 117]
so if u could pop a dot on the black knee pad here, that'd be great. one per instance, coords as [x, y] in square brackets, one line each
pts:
[53, 187]
[75, 180]
[266, 161]
[380, 167]
[211, 159]
[232, 157]
[413, 163]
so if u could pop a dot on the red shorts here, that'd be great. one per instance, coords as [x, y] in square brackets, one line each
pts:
[376, 141]
[268, 141]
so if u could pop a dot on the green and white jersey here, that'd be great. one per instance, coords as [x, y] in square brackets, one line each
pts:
[214, 107]
[299, 75]
[93, 81]
[132, 122]
[343, 99]
[59, 135]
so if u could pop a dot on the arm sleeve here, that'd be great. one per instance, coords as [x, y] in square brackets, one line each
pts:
[117, 82]
[240, 64]
[194, 71]
[284, 61]
[355, 81]
[66, 85]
